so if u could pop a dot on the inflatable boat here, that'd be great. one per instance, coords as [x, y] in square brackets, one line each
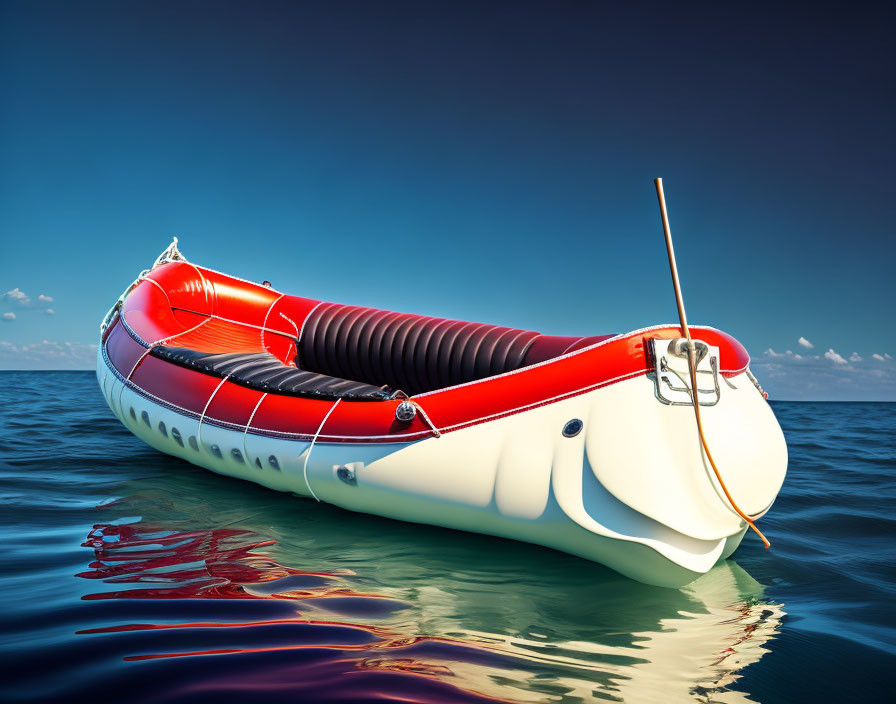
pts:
[584, 444]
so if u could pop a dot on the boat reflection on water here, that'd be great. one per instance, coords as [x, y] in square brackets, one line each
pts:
[291, 598]
[688, 647]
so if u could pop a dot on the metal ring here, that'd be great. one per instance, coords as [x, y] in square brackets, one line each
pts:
[405, 412]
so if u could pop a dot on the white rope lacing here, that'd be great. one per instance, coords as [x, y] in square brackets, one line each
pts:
[171, 254]
[149, 349]
[311, 447]
[144, 277]
[163, 341]
[295, 327]
[265, 321]
[205, 287]
[249, 424]
[212, 316]
[432, 426]
[308, 317]
[207, 404]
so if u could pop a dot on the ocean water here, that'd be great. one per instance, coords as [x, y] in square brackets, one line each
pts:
[126, 575]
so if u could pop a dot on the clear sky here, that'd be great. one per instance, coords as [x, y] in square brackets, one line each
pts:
[482, 161]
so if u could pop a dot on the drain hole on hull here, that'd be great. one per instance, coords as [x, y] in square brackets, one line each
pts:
[133, 413]
[193, 443]
[237, 455]
[572, 428]
[175, 433]
[216, 451]
[258, 462]
[274, 463]
[144, 416]
[162, 429]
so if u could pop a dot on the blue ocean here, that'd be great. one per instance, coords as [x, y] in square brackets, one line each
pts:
[131, 576]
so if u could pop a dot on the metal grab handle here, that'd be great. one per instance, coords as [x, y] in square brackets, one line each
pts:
[685, 388]
[664, 367]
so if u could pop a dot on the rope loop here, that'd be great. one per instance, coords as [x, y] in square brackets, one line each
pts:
[311, 447]
[432, 427]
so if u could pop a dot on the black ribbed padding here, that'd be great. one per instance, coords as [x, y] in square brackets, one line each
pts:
[410, 352]
[264, 372]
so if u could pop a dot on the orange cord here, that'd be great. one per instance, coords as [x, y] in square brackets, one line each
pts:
[692, 365]
[693, 371]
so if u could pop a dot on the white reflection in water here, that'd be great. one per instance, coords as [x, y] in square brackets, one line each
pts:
[546, 626]
[699, 640]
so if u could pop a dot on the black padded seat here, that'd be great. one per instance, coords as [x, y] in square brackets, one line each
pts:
[264, 372]
[410, 352]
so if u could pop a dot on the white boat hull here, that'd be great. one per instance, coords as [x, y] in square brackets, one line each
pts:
[631, 490]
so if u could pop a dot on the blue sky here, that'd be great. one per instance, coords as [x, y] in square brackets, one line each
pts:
[489, 162]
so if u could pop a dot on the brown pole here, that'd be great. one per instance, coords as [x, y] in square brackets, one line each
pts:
[692, 360]
[673, 267]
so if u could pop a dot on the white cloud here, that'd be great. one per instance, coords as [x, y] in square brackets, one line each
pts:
[9, 317]
[820, 378]
[47, 355]
[21, 298]
[805, 343]
[879, 357]
[17, 296]
[834, 357]
[886, 355]
[50, 311]
[854, 357]
[788, 354]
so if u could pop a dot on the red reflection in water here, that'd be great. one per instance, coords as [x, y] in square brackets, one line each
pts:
[385, 639]
[207, 564]
[404, 665]
[220, 564]
[375, 630]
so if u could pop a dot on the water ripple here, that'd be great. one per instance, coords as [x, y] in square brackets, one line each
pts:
[166, 583]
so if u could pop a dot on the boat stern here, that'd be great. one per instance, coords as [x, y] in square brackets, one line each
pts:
[667, 476]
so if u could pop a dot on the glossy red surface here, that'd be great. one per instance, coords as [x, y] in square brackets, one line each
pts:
[175, 308]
